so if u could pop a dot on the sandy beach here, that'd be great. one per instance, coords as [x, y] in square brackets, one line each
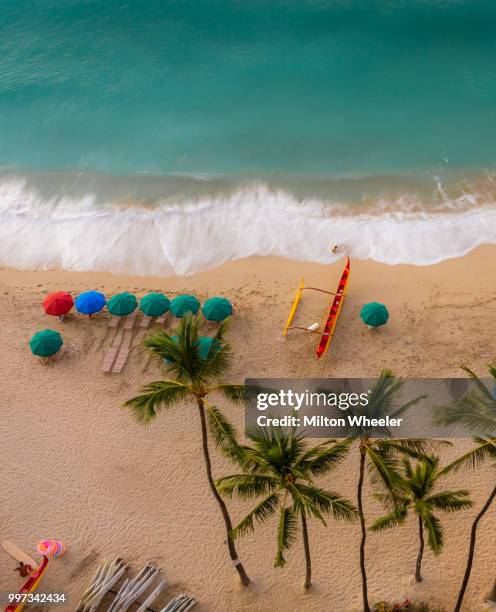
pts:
[76, 466]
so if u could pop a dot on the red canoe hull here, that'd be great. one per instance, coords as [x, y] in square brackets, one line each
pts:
[29, 586]
[334, 312]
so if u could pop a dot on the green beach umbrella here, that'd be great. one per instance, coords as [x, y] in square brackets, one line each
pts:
[182, 304]
[45, 343]
[374, 314]
[122, 304]
[154, 304]
[217, 309]
[205, 344]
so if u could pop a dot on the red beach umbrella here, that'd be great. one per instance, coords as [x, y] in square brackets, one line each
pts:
[58, 303]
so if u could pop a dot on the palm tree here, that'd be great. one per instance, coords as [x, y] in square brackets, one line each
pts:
[196, 376]
[280, 468]
[475, 411]
[380, 454]
[415, 492]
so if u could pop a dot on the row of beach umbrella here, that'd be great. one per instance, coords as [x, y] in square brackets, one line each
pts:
[61, 303]
[48, 341]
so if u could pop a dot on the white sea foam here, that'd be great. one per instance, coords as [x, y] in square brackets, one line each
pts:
[182, 237]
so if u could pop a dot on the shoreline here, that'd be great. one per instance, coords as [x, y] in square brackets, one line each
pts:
[189, 230]
[85, 472]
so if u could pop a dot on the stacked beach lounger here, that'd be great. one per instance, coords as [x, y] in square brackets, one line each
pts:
[116, 356]
[132, 592]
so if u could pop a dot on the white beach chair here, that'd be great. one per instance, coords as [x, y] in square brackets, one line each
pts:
[106, 576]
[152, 597]
[134, 588]
[181, 603]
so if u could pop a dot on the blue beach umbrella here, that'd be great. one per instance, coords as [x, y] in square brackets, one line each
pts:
[182, 304]
[374, 314]
[217, 309]
[90, 302]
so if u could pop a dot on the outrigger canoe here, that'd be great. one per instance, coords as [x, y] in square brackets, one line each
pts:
[334, 311]
[29, 586]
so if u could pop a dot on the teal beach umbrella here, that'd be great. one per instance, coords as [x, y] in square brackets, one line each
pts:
[205, 345]
[374, 314]
[182, 304]
[154, 304]
[217, 309]
[122, 304]
[45, 343]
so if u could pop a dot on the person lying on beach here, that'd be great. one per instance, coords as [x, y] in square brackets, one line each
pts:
[23, 569]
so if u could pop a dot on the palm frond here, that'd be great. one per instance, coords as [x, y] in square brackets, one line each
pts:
[485, 449]
[383, 466]
[328, 502]
[385, 399]
[399, 410]
[475, 410]
[222, 430]
[236, 394]
[219, 358]
[415, 448]
[393, 519]
[324, 457]
[303, 505]
[260, 513]
[217, 362]
[247, 486]
[391, 500]
[155, 396]
[470, 414]
[161, 345]
[484, 391]
[434, 532]
[224, 435]
[286, 534]
[450, 501]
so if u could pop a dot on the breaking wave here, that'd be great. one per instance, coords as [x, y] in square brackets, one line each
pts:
[184, 232]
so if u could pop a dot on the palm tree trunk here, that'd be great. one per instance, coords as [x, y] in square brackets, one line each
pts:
[418, 567]
[366, 607]
[471, 549]
[223, 508]
[306, 545]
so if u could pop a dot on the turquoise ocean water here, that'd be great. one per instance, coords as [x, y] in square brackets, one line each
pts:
[361, 119]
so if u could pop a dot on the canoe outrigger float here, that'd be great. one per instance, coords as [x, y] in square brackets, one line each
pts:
[332, 316]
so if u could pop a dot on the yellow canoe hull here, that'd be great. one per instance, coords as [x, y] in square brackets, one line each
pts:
[292, 312]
